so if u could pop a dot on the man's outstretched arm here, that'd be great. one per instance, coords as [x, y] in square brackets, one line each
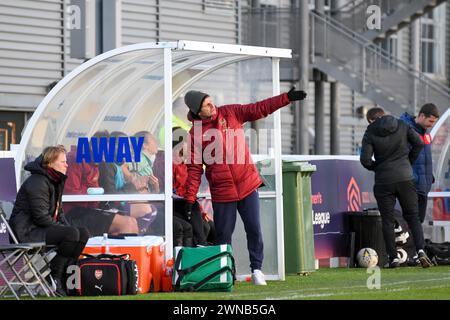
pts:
[261, 109]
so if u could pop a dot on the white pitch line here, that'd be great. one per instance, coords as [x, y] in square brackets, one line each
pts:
[348, 287]
[303, 296]
[416, 281]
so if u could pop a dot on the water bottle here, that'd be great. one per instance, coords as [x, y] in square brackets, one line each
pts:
[105, 245]
[167, 276]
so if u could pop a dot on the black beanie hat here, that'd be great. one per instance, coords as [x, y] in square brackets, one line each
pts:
[194, 99]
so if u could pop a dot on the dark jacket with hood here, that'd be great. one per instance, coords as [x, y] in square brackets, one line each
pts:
[389, 140]
[35, 206]
[423, 166]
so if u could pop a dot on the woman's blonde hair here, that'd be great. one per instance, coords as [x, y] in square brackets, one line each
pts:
[50, 154]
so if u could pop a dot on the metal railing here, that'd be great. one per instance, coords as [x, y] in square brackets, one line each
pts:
[348, 6]
[354, 15]
[347, 53]
[373, 66]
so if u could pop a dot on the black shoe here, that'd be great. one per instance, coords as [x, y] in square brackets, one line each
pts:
[60, 291]
[413, 262]
[394, 263]
[434, 260]
[424, 260]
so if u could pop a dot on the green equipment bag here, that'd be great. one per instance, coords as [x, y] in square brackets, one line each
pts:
[204, 269]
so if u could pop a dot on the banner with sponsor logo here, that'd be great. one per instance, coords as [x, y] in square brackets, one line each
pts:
[338, 186]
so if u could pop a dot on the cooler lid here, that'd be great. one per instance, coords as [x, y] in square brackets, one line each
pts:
[133, 241]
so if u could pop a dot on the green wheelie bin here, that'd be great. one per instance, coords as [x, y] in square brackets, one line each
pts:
[298, 222]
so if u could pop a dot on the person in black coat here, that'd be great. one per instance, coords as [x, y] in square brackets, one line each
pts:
[37, 215]
[389, 140]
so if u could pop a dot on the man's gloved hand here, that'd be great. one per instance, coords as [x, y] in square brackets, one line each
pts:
[295, 95]
[188, 210]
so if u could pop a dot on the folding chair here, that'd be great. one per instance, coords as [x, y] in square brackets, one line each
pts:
[24, 267]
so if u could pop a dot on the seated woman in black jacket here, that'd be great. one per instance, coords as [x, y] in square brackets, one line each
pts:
[38, 216]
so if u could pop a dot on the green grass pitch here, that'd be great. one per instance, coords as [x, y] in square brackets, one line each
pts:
[326, 284]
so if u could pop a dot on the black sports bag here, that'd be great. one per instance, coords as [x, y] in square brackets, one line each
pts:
[106, 275]
[439, 253]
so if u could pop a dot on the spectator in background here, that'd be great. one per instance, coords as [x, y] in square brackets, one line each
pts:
[202, 224]
[158, 169]
[395, 146]
[112, 178]
[158, 166]
[116, 178]
[148, 156]
[80, 177]
[182, 233]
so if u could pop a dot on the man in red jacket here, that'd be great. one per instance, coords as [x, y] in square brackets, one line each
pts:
[218, 142]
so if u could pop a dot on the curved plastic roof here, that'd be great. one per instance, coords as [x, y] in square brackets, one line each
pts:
[123, 90]
[441, 153]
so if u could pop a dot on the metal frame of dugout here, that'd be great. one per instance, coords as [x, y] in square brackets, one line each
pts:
[63, 106]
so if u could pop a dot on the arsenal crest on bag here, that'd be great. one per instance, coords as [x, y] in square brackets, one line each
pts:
[106, 275]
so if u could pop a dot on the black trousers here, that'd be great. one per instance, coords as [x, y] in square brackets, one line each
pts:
[182, 233]
[70, 243]
[69, 240]
[405, 192]
[423, 201]
[196, 220]
[225, 215]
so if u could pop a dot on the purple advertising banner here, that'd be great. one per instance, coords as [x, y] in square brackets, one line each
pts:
[338, 186]
[7, 191]
[8, 180]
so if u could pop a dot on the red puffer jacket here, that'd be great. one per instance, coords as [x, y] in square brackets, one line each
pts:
[180, 175]
[229, 168]
[80, 177]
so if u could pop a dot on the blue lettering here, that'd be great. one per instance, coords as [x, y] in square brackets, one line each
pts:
[102, 150]
[83, 150]
[105, 149]
[123, 150]
[137, 147]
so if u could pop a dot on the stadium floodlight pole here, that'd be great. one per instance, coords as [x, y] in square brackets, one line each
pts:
[168, 152]
[278, 171]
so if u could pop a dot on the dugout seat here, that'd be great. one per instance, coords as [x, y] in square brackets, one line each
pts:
[24, 267]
